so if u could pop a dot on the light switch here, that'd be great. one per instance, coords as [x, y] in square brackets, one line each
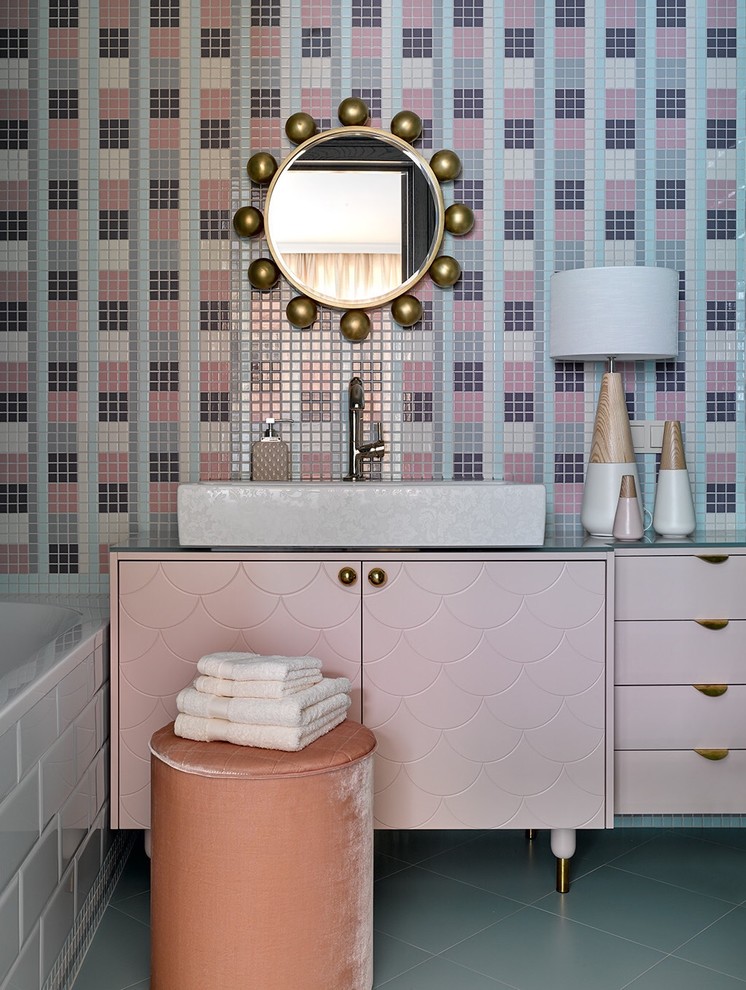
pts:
[647, 435]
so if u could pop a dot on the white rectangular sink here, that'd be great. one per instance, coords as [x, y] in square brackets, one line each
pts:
[362, 514]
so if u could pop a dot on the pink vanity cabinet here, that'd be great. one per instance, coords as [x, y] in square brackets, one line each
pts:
[680, 694]
[483, 674]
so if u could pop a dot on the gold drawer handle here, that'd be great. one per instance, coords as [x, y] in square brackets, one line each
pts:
[711, 690]
[712, 623]
[347, 576]
[713, 558]
[377, 577]
[713, 754]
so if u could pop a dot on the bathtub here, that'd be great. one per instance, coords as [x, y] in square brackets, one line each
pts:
[58, 854]
[40, 642]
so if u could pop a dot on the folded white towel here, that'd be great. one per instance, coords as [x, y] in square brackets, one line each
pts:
[299, 709]
[262, 736]
[254, 667]
[227, 688]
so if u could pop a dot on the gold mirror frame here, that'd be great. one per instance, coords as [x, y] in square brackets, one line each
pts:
[457, 219]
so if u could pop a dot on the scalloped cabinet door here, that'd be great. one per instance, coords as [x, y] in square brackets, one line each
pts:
[485, 685]
[172, 612]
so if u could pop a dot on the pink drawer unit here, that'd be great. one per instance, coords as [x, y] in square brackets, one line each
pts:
[680, 652]
[680, 681]
[709, 584]
[680, 717]
[680, 782]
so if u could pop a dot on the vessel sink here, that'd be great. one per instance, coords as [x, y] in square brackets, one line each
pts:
[364, 514]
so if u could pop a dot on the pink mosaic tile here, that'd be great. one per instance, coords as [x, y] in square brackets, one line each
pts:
[569, 407]
[621, 13]
[366, 42]
[722, 13]
[63, 316]
[468, 407]
[467, 42]
[64, 135]
[569, 225]
[671, 134]
[214, 465]
[670, 405]
[417, 466]
[670, 225]
[162, 496]
[519, 467]
[522, 13]
[570, 42]
[569, 135]
[114, 13]
[63, 225]
[671, 42]
[62, 407]
[15, 558]
[64, 42]
[63, 497]
[164, 225]
[721, 467]
[165, 42]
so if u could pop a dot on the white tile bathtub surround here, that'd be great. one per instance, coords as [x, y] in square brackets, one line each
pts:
[19, 826]
[39, 875]
[8, 762]
[57, 919]
[25, 974]
[37, 731]
[9, 924]
[57, 854]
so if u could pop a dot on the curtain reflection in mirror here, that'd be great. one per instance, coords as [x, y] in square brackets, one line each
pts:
[347, 277]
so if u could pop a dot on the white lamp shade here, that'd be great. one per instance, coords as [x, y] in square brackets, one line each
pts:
[631, 313]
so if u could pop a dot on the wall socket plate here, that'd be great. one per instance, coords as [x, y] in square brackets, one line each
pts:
[647, 435]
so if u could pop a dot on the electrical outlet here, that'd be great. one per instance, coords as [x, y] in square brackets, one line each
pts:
[647, 435]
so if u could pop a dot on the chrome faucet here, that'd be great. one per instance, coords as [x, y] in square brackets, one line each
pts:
[356, 449]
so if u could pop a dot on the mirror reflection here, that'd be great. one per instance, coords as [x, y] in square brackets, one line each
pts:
[354, 217]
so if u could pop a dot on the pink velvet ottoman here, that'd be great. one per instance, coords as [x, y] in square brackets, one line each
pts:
[262, 864]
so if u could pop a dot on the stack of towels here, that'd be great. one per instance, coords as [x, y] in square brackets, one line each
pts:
[267, 701]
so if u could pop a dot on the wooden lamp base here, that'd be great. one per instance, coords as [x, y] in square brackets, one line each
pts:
[612, 456]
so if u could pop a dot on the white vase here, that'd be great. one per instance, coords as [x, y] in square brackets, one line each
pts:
[673, 514]
[601, 496]
[628, 519]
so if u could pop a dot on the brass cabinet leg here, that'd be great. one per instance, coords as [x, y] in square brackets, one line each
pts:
[563, 847]
[531, 834]
[563, 876]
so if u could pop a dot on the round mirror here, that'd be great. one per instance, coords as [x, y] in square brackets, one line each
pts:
[354, 217]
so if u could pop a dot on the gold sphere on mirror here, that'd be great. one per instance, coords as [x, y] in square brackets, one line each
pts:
[406, 125]
[459, 219]
[445, 271]
[263, 273]
[301, 312]
[406, 310]
[248, 221]
[300, 127]
[353, 112]
[446, 165]
[261, 167]
[355, 324]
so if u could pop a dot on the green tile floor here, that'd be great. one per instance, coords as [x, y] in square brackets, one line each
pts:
[648, 909]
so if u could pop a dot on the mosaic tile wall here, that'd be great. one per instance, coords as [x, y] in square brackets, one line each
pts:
[135, 354]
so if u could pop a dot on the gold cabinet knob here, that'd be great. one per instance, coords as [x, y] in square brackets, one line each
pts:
[711, 690]
[348, 575]
[377, 576]
[713, 558]
[712, 623]
[712, 754]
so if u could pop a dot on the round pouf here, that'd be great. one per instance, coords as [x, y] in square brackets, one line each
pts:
[262, 864]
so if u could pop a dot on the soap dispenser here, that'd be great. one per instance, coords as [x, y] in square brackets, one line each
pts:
[270, 457]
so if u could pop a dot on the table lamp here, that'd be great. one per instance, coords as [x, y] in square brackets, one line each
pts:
[626, 313]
